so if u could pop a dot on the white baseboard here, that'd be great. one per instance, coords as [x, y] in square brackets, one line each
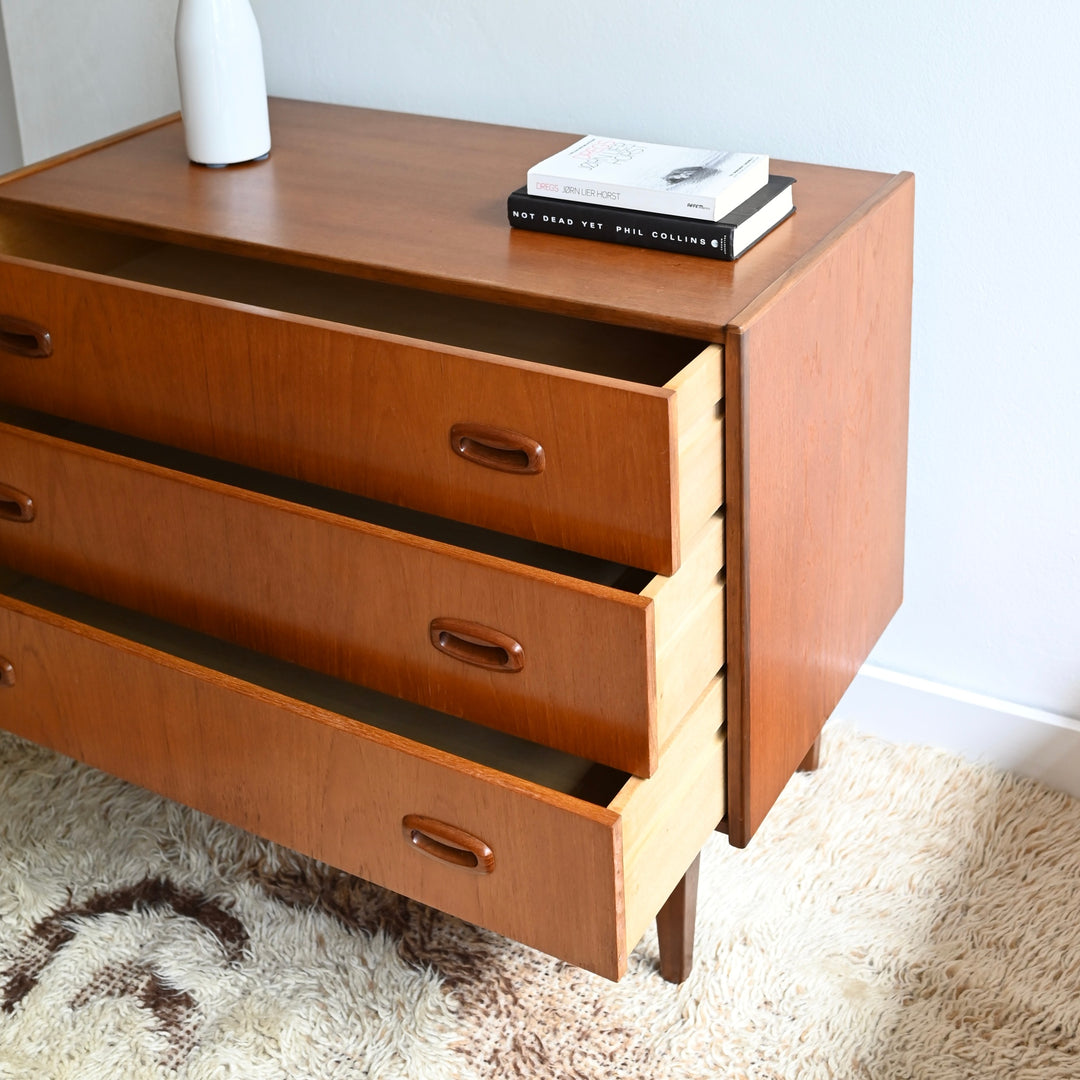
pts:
[905, 709]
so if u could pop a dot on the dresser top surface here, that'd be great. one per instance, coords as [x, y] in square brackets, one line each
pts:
[421, 201]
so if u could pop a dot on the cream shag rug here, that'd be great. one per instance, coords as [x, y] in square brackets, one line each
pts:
[901, 914]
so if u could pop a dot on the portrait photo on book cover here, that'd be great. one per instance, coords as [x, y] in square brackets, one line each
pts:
[686, 177]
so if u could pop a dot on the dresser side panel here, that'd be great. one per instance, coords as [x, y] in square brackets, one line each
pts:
[818, 500]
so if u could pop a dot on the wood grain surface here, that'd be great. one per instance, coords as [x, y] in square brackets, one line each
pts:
[342, 596]
[421, 201]
[816, 412]
[796, 423]
[372, 412]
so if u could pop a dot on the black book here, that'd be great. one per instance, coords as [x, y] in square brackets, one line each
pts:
[725, 239]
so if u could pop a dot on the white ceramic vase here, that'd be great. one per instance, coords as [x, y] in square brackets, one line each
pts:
[219, 62]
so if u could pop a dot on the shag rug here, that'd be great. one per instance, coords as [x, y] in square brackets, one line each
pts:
[902, 914]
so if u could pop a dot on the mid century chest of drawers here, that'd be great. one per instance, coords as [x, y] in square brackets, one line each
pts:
[497, 568]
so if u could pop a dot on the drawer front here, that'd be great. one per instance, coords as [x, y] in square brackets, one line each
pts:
[414, 618]
[307, 778]
[578, 461]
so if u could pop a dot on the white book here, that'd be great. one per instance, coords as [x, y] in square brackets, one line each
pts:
[678, 180]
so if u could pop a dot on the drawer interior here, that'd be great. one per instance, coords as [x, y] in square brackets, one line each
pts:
[639, 356]
[551, 769]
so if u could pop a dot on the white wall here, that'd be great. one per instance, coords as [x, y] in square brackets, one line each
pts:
[85, 70]
[10, 147]
[978, 97]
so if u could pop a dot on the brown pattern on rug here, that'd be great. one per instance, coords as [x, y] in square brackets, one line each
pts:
[49, 935]
[491, 979]
[901, 913]
[424, 937]
[175, 1011]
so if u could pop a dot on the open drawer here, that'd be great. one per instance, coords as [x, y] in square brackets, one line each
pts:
[569, 651]
[570, 857]
[601, 439]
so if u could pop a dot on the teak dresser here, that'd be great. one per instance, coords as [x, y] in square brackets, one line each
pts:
[495, 567]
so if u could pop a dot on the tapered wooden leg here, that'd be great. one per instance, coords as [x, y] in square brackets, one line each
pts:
[675, 927]
[810, 762]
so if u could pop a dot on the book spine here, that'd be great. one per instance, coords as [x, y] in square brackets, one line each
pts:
[621, 196]
[708, 239]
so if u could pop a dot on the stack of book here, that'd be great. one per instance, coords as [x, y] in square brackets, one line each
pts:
[699, 202]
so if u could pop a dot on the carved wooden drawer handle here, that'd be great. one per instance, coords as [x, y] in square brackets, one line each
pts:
[472, 643]
[448, 843]
[497, 448]
[24, 338]
[15, 505]
[7, 672]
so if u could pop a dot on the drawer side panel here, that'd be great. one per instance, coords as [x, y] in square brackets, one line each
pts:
[699, 390]
[689, 626]
[668, 818]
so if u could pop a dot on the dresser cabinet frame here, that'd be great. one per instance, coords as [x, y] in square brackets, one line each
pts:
[814, 324]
